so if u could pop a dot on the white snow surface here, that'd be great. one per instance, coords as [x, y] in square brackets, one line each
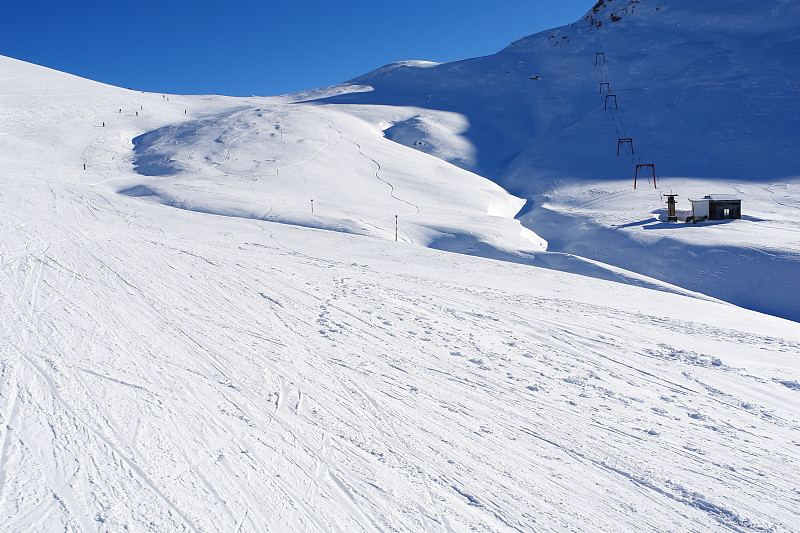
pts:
[185, 346]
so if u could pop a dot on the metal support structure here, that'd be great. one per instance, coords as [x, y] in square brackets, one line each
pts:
[614, 96]
[608, 87]
[647, 165]
[597, 58]
[671, 214]
[626, 140]
[395, 228]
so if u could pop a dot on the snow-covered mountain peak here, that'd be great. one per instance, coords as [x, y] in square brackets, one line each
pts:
[741, 15]
[605, 11]
[386, 70]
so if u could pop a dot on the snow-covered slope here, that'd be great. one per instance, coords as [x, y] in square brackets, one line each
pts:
[185, 346]
[707, 91]
[170, 370]
[269, 162]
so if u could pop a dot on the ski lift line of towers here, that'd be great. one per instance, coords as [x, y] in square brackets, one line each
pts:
[611, 99]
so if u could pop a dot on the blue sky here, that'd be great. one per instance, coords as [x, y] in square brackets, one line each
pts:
[261, 47]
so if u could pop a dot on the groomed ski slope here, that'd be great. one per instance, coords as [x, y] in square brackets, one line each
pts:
[186, 347]
[175, 371]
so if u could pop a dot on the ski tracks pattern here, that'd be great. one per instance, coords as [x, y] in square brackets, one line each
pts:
[150, 381]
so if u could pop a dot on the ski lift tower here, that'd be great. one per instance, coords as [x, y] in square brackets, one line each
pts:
[671, 216]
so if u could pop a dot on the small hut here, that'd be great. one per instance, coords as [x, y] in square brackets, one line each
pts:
[716, 207]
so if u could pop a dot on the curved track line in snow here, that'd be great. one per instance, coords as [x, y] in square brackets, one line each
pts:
[378, 175]
[391, 188]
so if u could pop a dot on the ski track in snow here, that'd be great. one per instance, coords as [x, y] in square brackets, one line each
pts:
[367, 401]
[378, 176]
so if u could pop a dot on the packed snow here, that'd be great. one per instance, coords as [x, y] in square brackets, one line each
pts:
[327, 312]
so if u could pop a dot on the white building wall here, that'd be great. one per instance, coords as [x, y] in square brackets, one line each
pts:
[699, 208]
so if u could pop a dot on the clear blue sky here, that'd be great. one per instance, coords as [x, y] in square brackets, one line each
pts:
[244, 47]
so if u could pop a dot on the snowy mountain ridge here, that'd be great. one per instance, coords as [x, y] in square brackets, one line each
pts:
[713, 108]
